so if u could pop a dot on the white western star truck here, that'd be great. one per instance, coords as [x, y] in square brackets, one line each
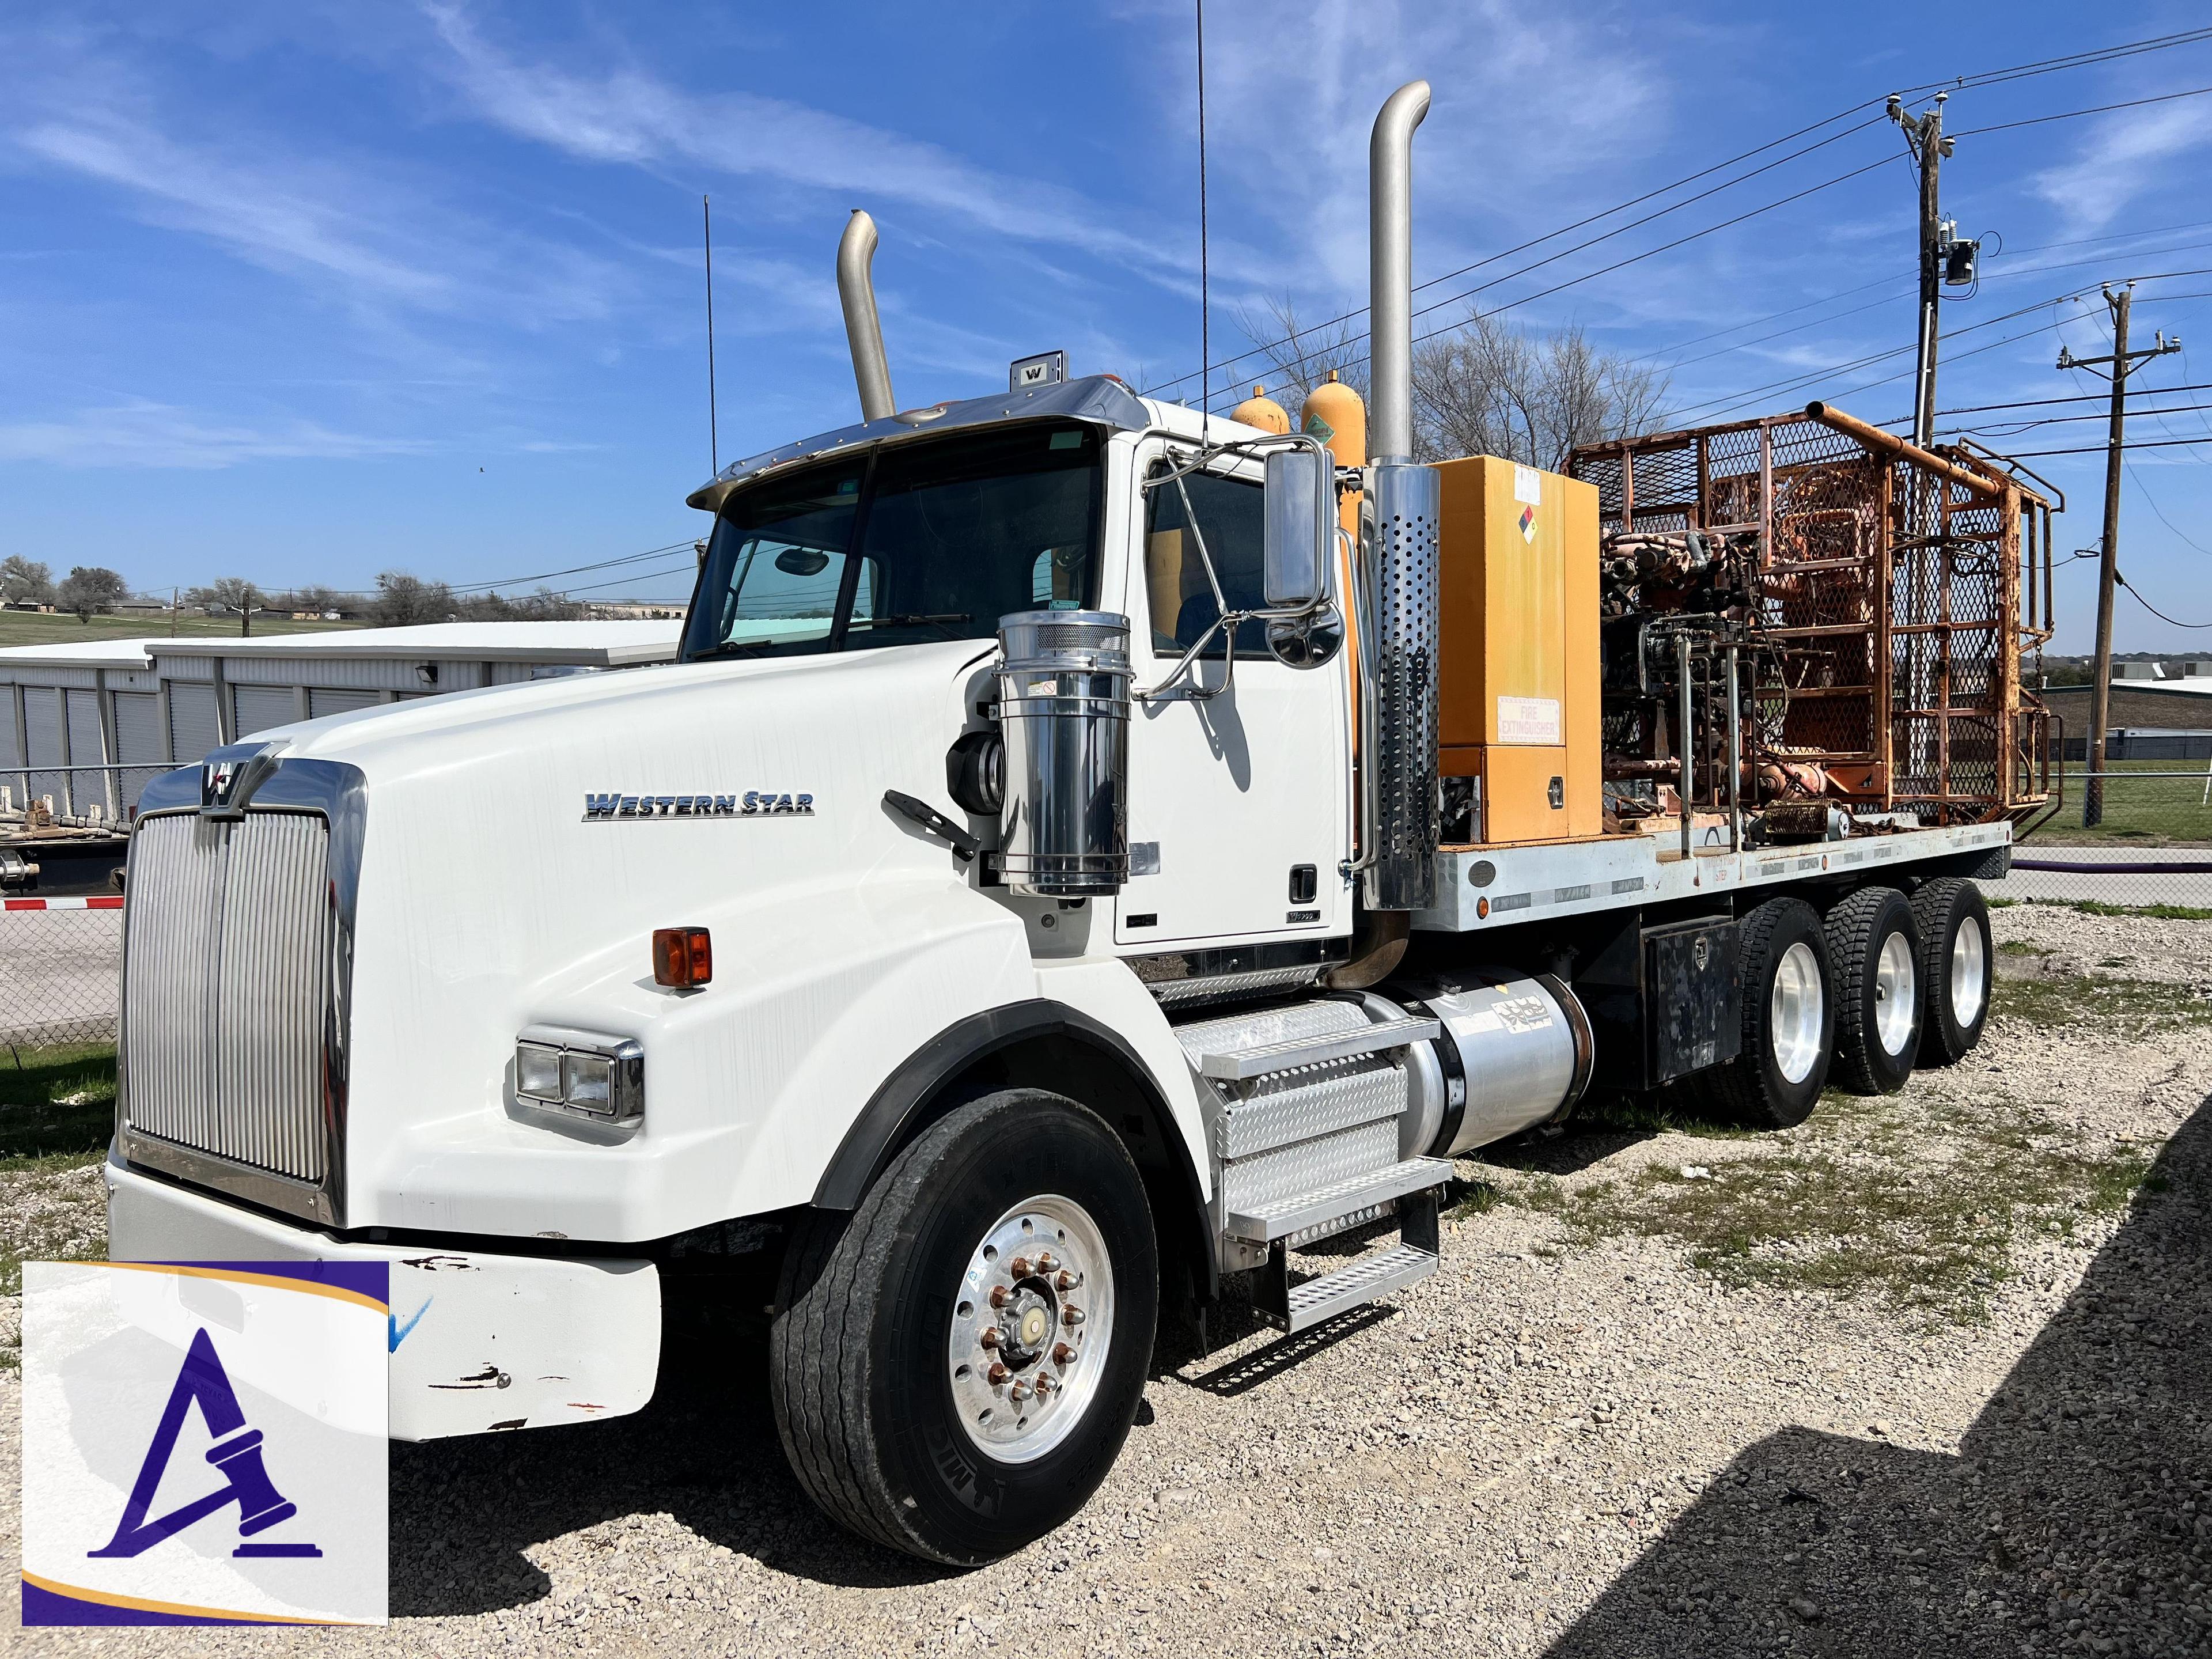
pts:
[1086, 851]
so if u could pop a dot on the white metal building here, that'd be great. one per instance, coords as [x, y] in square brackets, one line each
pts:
[153, 703]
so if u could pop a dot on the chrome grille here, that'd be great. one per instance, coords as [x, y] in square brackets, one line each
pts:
[227, 943]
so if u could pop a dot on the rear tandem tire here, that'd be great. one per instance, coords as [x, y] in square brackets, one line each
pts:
[1788, 1020]
[1874, 945]
[876, 1361]
[1956, 960]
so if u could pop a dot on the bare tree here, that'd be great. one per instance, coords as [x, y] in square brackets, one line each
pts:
[1298, 358]
[1488, 389]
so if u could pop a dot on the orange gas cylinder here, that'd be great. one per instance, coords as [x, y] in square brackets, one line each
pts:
[1334, 414]
[1261, 411]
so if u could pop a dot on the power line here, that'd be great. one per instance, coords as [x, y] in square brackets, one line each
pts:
[2099, 449]
[2153, 609]
[2075, 60]
[2101, 109]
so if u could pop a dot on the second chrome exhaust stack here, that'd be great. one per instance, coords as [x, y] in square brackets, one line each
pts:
[1399, 557]
[864, 329]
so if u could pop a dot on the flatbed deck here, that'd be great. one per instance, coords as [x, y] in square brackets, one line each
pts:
[1480, 888]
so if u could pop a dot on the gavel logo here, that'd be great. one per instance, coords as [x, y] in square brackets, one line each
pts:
[236, 1452]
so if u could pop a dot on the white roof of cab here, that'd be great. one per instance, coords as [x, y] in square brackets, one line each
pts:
[588, 644]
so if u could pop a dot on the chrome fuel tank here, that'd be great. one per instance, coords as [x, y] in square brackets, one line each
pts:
[1516, 1051]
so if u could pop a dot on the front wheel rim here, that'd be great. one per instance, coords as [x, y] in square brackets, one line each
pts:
[1794, 1013]
[1893, 994]
[1970, 961]
[1032, 1324]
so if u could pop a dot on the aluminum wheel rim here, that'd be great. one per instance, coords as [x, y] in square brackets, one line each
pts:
[1893, 993]
[1794, 1009]
[1970, 972]
[1032, 1325]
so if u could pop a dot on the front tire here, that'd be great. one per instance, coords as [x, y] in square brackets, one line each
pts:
[1018, 1215]
[1789, 1030]
[1874, 945]
[1955, 961]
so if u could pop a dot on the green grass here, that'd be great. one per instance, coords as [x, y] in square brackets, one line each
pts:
[1914, 1200]
[2099, 907]
[56, 1108]
[2146, 811]
[2131, 1008]
[36, 627]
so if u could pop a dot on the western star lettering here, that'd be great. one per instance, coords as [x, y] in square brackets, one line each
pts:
[753, 803]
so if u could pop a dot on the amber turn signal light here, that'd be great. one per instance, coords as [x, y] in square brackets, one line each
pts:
[681, 957]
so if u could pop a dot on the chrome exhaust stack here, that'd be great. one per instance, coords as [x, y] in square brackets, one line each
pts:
[1398, 648]
[864, 329]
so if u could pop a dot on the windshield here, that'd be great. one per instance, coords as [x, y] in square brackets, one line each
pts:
[926, 540]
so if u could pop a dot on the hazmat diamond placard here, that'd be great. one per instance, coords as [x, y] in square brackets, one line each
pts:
[204, 1443]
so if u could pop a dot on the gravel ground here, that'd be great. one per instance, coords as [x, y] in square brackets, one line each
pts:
[1597, 1431]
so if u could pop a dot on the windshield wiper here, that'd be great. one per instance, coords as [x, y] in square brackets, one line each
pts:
[911, 621]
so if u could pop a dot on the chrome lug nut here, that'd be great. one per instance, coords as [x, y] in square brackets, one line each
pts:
[1019, 1391]
[990, 1337]
[1019, 1267]
[1045, 1263]
[1066, 1281]
[1071, 1315]
[998, 1374]
[1062, 1354]
[1000, 1295]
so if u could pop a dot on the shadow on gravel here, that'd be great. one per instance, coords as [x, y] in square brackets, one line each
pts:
[705, 1451]
[2077, 1519]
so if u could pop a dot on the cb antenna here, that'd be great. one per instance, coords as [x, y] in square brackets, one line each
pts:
[1205, 301]
[713, 437]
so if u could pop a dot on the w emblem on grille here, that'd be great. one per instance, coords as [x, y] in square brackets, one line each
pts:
[229, 776]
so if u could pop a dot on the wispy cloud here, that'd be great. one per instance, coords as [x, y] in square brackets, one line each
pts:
[2123, 158]
[626, 116]
[142, 433]
[268, 219]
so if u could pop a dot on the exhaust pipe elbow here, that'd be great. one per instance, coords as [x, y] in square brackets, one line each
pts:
[864, 329]
[1391, 271]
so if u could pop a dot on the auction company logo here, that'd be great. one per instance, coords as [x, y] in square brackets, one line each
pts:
[291, 1395]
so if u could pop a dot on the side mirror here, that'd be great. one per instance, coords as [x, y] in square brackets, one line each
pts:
[1301, 527]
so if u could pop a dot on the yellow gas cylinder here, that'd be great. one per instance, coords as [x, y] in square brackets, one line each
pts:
[1334, 413]
[1261, 411]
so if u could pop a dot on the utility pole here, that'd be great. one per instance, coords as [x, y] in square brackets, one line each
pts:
[2122, 362]
[1923, 137]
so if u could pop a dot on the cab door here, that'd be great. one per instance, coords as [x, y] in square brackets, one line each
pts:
[1238, 804]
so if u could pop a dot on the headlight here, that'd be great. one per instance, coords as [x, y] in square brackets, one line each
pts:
[587, 1072]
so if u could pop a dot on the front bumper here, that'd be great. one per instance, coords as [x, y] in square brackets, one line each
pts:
[478, 1341]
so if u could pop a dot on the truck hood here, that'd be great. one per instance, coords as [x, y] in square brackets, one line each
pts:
[501, 885]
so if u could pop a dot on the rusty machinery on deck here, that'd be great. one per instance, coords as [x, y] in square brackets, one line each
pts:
[1871, 600]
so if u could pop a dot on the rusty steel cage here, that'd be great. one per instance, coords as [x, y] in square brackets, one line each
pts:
[1901, 588]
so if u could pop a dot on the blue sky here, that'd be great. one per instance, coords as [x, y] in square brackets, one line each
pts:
[302, 292]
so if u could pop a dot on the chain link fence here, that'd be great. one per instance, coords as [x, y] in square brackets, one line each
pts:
[2140, 836]
[61, 971]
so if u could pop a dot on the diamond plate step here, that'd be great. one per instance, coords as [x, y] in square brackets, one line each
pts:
[1373, 1276]
[1236, 1064]
[1265, 1223]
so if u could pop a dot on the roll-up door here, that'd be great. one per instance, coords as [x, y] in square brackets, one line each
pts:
[139, 744]
[322, 700]
[88, 747]
[193, 729]
[10, 757]
[258, 707]
[42, 736]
